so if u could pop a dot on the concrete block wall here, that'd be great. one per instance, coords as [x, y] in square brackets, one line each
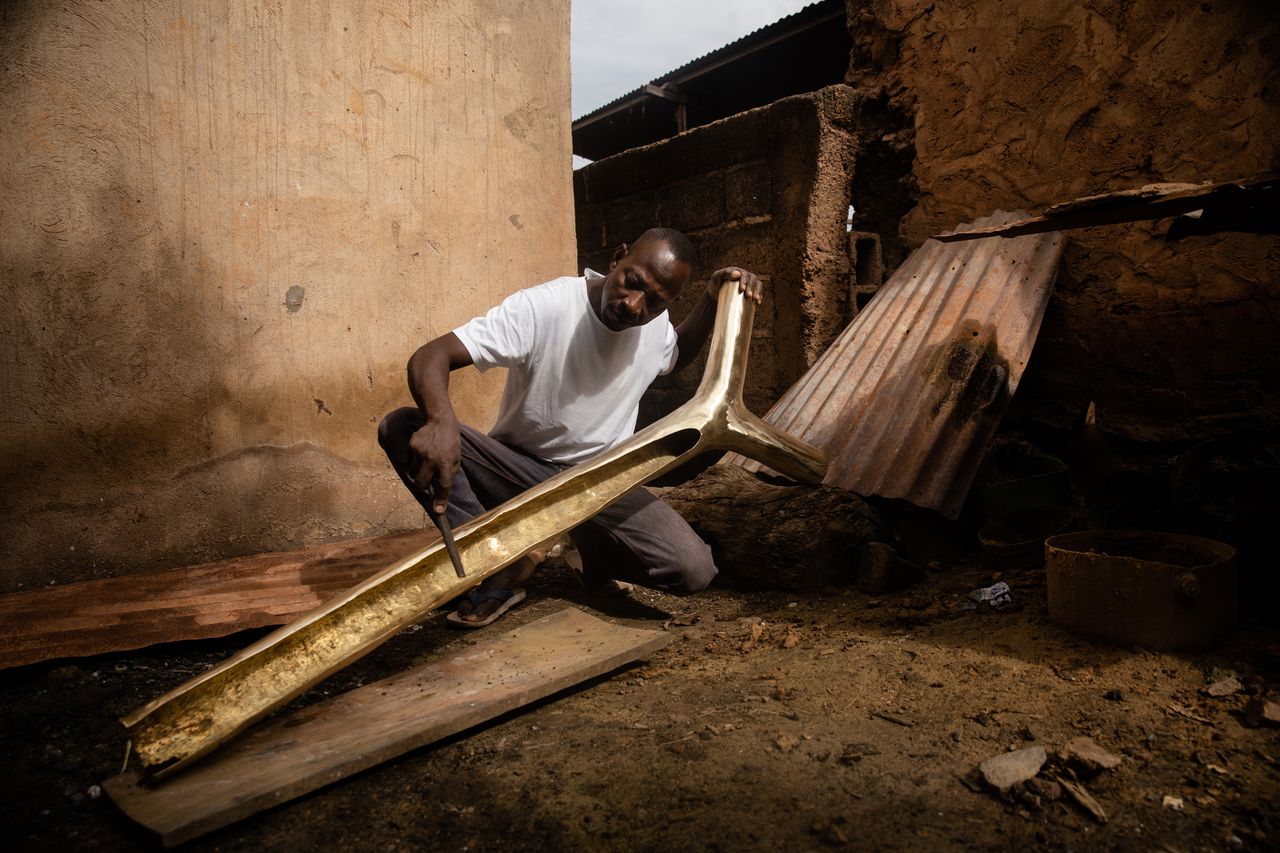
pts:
[767, 190]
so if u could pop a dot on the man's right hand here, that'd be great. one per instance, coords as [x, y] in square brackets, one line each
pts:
[439, 445]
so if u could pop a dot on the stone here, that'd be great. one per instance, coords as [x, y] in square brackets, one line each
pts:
[1224, 687]
[1084, 754]
[1261, 712]
[1002, 772]
[1045, 788]
[786, 742]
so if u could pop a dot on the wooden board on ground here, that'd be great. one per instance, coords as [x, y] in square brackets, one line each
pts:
[290, 756]
[191, 603]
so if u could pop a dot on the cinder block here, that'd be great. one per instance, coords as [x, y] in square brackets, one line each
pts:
[589, 226]
[866, 259]
[747, 190]
[747, 246]
[628, 218]
[693, 204]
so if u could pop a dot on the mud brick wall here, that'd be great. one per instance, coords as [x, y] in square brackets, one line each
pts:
[989, 105]
[224, 229]
[767, 190]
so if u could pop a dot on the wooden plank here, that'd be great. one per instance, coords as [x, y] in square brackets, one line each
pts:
[190, 603]
[290, 756]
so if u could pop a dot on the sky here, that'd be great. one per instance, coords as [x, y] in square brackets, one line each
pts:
[619, 45]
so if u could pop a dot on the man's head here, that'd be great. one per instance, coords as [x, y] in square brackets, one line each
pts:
[645, 277]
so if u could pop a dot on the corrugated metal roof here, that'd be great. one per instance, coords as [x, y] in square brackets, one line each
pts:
[1251, 205]
[814, 10]
[799, 53]
[906, 400]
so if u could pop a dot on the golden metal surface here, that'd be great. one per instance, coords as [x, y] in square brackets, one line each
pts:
[196, 717]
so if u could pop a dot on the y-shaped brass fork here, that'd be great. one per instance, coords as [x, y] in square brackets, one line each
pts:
[196, 717]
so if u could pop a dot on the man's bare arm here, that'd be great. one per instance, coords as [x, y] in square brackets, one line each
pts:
[438, 444]
[693, 332]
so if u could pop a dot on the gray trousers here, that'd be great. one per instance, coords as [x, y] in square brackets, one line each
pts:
[637, 538]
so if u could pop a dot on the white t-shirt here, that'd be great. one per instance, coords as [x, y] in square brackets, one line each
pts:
[573, 385]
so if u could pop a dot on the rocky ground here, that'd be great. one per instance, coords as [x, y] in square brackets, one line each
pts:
[774, 721]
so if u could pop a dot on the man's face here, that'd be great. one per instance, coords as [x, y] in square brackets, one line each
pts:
[641, 284]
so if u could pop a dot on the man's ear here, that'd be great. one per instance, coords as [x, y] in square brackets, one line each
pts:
[618, 254]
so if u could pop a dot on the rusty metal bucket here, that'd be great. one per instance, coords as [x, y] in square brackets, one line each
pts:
[1016, 538]
[1142, 588]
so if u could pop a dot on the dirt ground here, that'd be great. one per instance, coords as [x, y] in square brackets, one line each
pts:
[773, 721]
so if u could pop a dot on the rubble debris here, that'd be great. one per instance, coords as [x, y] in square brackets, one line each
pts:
[1172, 803]
[831, 831]
[1084, 755]
[1004, 771]
[812, 540]
[1183, 712]
[1228, 686]
[896, 719]
[1260, 712]
[786, 741]
[1084, 799]
[855, 752]
[1045, 788]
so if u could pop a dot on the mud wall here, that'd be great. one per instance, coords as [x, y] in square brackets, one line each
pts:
[223, 229]
[767, 190]
[1025, 105]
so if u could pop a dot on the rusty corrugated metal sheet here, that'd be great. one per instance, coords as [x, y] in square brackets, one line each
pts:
[906, 400]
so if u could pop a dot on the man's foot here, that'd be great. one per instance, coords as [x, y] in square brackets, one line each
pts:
[505, 600]
[498, 594]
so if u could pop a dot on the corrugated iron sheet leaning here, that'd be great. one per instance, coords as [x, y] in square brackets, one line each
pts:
[193, 719]
[906, 400]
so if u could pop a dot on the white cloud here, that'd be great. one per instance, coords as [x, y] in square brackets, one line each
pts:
[619, 46]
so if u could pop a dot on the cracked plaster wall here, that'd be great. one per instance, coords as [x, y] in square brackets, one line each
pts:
[223, 230]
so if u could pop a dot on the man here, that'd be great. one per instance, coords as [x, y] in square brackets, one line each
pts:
[580, 351]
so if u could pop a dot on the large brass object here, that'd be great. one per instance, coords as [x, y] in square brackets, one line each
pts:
[196, 717]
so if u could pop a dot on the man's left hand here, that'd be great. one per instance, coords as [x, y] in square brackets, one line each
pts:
[748, 283]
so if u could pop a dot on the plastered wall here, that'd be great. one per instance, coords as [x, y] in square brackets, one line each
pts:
[1025, 105]
[767, 190]
[223, 229]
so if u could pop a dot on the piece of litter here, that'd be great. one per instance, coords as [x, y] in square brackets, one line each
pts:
[94, 792]
[1171, 802]
[995, 596]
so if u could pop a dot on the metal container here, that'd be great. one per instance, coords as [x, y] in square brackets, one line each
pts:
[1035, 481]
[1016, 538]
[1142, 588]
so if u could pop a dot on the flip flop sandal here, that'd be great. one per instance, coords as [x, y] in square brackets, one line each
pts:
[509, 598]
